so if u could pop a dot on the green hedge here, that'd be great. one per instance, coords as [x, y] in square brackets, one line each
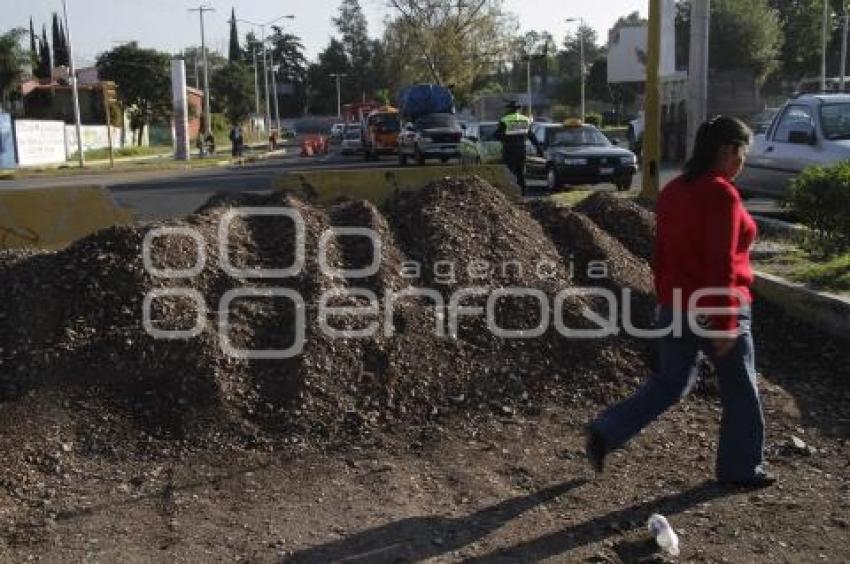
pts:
[820, 197]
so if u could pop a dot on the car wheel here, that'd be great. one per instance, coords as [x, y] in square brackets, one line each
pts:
[420, 159]
[624, 184]
[551, 179]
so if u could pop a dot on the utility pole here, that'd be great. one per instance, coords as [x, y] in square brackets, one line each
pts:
[256, 82]
[274, 90]
[208, 125]
[824, 35]
[698, 68]
[528, 83]
[262, 26]
[338, 76]
[844, 22]
[652, 132]
[74, 89]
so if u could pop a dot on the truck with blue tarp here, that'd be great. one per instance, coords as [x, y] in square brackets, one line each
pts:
[430, 129]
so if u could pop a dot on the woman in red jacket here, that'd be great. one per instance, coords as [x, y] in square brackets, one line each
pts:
[702, 261]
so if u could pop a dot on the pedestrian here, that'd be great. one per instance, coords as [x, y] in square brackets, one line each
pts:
[514, 128]
[235, 141]
[704, 236]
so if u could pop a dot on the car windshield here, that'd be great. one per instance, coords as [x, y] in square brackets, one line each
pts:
[835, 119]
[385, 123]
[488, 132]
[352, 133]
[435, 121]
[578, 137]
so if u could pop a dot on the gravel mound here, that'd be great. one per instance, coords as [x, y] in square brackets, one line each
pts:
[72, 325]
[626, 220]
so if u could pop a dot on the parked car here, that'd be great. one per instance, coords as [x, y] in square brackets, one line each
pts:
[352, 140]
[431, 136]
[575, 153]
[762, 120]
[337, 131]
[809, 130]
[479, 144]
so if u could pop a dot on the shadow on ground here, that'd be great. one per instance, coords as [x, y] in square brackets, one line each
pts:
[419, 538]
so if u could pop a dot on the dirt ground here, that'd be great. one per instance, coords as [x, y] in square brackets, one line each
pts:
[493, 490]
[119, 448]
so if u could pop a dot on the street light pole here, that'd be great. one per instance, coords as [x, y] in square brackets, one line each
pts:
[208, 125]
[74, 88]
[274, 90]
[262, 26]
[844, 22]
[698, 68]
[338, 76]
[528, 78]
[824, 34]
[581, 61]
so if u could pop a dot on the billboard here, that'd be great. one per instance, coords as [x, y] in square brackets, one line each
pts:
[627, 48]
[40, 142]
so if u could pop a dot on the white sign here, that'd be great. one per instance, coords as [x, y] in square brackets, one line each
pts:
[627, 48]
[94, 137]
[40, 142]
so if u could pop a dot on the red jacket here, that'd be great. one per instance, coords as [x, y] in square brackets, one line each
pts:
[703, 241]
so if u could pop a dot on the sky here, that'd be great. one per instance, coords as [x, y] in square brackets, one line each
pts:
[97, 25]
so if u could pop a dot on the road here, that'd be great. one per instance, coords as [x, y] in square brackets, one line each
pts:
[176, 193]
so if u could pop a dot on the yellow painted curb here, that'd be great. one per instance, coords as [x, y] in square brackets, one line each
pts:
[380, 184]
[52, 218]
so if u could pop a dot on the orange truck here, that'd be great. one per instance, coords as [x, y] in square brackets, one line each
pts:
[380, 127]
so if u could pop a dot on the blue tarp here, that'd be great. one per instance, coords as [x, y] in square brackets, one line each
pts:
[424, 99]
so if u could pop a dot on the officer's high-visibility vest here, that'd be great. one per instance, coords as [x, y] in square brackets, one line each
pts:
[516, 124]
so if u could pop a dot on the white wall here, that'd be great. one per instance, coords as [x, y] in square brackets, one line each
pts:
[94, 137]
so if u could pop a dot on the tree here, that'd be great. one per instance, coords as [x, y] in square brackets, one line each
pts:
[234, 52]
[353, 28]
[288, 54]
[12, 61]
[448, 42]
[745, 34]
[569, 62]
[45, 67]
[322, 94]
[33, 48]
[143, 80]
[60, 49]
[194, 60]
[232, 86]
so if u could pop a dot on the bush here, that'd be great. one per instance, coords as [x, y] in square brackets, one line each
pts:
[593, 119]
[820, 197]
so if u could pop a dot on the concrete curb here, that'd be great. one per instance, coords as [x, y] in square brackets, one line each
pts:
[830, 313]
[772, 226]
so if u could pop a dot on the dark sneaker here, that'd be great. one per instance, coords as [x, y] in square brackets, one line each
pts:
[595, 450]
[759, 480]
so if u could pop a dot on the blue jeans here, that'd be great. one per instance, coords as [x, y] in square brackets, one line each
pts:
[739, 454]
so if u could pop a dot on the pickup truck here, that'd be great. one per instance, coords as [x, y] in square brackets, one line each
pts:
[432, 136]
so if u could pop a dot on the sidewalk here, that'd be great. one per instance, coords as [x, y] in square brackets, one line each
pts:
[163, 161]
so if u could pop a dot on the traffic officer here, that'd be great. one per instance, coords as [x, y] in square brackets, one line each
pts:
[514, 128]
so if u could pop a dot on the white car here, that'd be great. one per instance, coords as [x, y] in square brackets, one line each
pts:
[352, 140]
[809, 130]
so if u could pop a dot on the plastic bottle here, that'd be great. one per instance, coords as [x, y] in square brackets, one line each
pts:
[664, 534]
